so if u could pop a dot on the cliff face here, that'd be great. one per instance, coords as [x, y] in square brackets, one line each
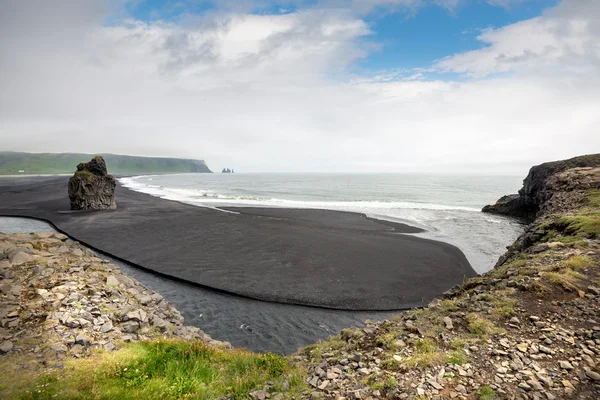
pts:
[538, 188]
[551, 194]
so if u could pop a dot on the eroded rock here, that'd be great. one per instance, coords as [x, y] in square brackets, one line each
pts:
[91, 187]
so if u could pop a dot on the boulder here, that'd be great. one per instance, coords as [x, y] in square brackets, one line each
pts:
[91, 187]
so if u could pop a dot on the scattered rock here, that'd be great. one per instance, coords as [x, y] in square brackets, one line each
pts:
[6, 346]
[448, 322]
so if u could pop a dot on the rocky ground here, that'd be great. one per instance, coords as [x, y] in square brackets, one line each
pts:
[58, 299]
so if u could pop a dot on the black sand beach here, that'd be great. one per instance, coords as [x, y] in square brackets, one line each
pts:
[310, 257]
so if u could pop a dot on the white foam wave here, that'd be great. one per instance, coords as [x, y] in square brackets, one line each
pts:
[211, 198]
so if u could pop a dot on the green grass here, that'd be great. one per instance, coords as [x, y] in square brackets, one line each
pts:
[48, 163]
[457, 357]
[486, 393]
[567, 278]
[457, 344]
[163, 369]
[579, 262]
[480, 326]
[426, 354]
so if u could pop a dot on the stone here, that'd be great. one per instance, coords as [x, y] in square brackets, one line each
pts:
[130, 327]
[6, 346]
[524, 386]
[522, 347]
[59, 348]
[259, 395]
[448, 322]
[594, 290]
[593, 375]
[565, 365]
[77, 349]
[324, 384]
[77, 253]
[82, 340]
[21, 258]
[435, 384]
[111, 280]
[91, 187]
[63, 249]
[106, 327]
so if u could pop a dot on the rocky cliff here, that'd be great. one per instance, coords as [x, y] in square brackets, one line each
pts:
[538, 189]
[91, 187]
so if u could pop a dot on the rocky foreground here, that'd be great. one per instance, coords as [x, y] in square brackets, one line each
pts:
[58, 299]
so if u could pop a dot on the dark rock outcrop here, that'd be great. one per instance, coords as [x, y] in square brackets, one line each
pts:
[91, 187]
[512, 205]
[537, 191]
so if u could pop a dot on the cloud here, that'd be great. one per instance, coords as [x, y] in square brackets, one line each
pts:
[274, 92]
[566, 39]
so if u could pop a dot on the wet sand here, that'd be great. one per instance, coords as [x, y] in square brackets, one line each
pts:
[318, 258]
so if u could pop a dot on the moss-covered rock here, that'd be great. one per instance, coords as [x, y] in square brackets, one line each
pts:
[91, 187]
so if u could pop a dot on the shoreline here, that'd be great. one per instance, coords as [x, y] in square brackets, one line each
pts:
[337, 228]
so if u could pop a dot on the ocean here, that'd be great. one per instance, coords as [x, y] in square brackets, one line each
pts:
[448, 207]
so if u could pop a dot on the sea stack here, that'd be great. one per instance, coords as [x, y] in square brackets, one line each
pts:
[91, 187]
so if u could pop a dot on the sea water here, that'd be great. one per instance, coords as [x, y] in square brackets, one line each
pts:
[448, 207]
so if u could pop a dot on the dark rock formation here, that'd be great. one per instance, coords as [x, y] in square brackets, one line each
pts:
[537, 191]
[227, 171]
[512, 205]
[91, 187]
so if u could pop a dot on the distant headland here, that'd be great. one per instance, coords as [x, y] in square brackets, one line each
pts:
[17, 163]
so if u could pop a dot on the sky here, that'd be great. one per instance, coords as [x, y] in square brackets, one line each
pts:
[436, 86]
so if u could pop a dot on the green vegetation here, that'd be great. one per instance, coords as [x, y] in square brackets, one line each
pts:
[427, 354]
[573, 228]
[486, 393]
[162, 369]
[481, 326]
[457, 357]
[11, 163]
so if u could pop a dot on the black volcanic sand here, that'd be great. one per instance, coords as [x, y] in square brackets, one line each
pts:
[310, 257]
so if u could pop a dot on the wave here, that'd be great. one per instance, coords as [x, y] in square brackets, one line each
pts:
[211, 198]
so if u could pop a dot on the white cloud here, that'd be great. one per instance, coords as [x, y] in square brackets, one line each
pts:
[272, 92]
[566, 39]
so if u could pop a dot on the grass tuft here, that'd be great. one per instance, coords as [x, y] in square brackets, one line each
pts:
[486, 393]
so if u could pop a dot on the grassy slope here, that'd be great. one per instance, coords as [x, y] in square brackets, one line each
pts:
[48, 163]
[159, 369]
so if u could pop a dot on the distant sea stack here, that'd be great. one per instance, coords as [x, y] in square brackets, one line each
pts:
[91, 187]
[538, 191]
[227, 171]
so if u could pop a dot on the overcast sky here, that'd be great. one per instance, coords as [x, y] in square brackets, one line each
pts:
[305, 85]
